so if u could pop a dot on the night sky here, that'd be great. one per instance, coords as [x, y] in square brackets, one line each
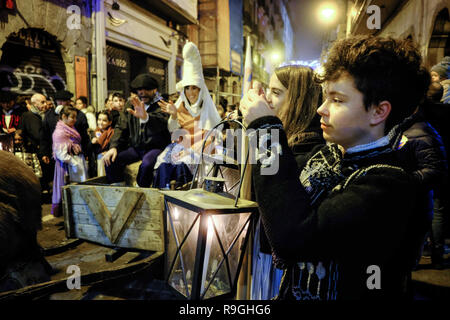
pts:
[308, 32]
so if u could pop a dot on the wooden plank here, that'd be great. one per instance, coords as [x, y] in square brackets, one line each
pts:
[81, 76]
[112, 195]
[147, 240]
[92, 233]
[144, 219]
[68, 213]
[136, 239]
[115, 254]
[98, 208]
[125, 212]
[44, 289]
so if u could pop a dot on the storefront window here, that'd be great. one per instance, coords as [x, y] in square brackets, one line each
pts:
[124, 64]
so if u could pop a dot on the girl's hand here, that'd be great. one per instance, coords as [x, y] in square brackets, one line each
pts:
[94, 140]
[254, 105]
[168, 107]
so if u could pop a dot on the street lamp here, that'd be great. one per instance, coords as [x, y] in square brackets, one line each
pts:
[327, 12]
[276, 57]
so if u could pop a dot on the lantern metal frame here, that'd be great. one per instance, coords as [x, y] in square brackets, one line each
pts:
[204, 211]
[226, 120]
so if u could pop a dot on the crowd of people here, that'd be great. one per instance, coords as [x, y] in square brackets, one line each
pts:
[362, 178]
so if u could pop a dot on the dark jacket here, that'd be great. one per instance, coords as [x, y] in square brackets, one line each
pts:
[49, 125]
[425, 159]
[367, 220]
[30, 130]
[300, 150]
[437, 114]
[424, 153]
[153, 134]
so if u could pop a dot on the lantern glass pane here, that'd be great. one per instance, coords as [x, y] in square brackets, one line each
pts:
[178, 280]
[232, 238]
[183, 269]
[231, 177]
[228, 227]
[219, 282]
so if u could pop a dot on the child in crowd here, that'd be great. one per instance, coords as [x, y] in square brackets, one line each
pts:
[115, 104]
[441, 73]
[101, 139]
[70, 165]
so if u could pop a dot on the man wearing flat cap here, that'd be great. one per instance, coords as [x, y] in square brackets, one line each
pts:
[140, 134]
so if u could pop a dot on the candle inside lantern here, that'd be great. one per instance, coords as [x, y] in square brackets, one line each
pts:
[209, 236]
[178, 230]
[176, 214]
[177, 225]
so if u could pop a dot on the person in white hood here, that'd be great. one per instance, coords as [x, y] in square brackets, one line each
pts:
[191, 116]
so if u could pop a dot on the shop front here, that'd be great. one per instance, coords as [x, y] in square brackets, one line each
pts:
[124, 64]
[31, 63]
[140, 43]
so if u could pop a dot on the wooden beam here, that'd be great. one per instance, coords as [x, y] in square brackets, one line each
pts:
[68, 212]
[98, 208]
[125, 212]
[115, 254]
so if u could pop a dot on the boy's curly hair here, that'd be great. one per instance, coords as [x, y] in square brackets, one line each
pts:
[383, 69]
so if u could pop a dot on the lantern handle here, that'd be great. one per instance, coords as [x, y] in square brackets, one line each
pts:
[226, 120]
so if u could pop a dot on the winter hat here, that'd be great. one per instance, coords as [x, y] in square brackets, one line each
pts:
[7, 96]
[145, 81]
[63, 95]
[193, 76]
[443, 68]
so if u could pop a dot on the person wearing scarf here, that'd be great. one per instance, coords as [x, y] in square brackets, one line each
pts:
[192, 115]
[31, 123]
[70, 165]
[101, 139]
[347, 222]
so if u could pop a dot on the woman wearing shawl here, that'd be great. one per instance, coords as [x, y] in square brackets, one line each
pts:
[192, 115]
[69, 160]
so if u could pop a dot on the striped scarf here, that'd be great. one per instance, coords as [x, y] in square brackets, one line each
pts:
[322, 174]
